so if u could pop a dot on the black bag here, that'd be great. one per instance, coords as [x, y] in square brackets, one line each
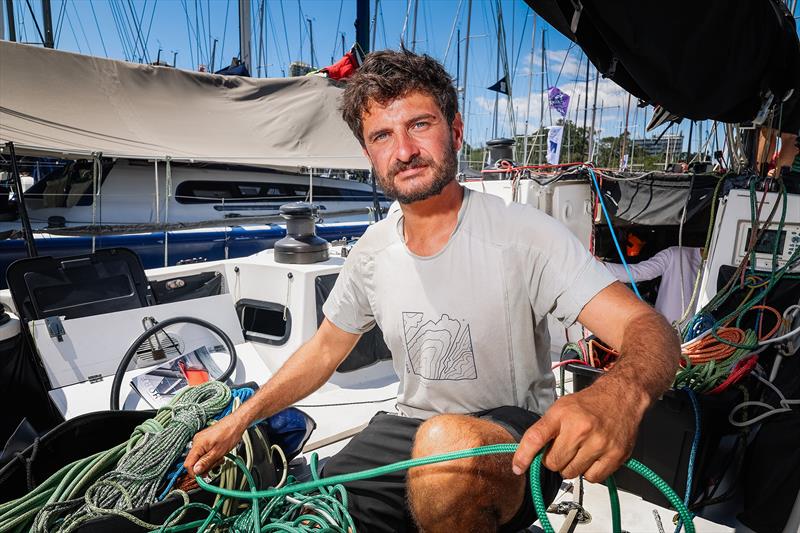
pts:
[94, 432]
[186, 287]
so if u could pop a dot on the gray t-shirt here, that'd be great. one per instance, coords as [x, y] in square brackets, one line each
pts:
[467, 327]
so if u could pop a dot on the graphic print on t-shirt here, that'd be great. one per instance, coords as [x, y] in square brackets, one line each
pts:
[439, 349]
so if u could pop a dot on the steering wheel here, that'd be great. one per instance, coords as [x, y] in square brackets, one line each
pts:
[126, 359]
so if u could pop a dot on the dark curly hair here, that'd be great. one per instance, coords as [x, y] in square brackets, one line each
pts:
[387, 75]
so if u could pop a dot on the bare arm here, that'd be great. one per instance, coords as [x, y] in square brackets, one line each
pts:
[594, 430]
[303, 373]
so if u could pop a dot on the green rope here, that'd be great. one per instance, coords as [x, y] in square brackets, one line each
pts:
[121, 478]
[277, 494]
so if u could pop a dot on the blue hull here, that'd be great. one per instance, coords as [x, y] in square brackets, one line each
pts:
[207, 245]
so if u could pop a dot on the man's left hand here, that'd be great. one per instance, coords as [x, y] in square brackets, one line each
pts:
[593, 433]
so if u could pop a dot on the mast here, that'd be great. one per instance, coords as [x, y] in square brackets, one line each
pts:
[374, 25]
[586, 107]
[541, 102]
[496, 75]
[594, 113]
[530, 89]
[244, 34]
[362, 25]
[313, 58]
[458, 59]
[466, 63]
[625, 133]
[414, 27]
[47, 16]
[12, 27]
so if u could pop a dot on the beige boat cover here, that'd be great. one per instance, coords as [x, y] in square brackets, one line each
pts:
[69, 105]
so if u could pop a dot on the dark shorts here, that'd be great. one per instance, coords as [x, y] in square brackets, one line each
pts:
[379, 504]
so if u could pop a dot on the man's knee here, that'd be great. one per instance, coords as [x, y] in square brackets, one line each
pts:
[440, 491]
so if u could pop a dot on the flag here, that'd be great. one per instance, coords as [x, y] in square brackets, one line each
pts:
[559, 100]
[501, 86]
[554, 144]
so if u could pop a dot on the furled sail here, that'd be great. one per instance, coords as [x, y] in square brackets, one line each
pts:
[60, 103]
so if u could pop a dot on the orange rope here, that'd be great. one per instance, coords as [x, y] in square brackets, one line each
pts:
[778, 320]
[710, 349]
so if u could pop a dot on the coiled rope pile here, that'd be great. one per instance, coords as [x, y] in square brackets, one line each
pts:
[86, 489]
[116, 481]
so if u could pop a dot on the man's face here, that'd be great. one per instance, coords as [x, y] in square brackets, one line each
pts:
[411, 147]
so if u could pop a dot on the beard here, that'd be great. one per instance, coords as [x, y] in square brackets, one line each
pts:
[444, 172]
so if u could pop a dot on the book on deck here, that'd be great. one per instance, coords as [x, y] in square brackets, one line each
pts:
[159, 386]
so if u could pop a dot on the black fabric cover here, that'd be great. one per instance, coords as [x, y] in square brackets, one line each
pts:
[771, 486]
[194, 286]
[23, 385]
[658, 199]
[370, 347]
[699, 60]
[105, 281]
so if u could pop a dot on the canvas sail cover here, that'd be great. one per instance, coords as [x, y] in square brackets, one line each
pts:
[700, 60]
[64, 104]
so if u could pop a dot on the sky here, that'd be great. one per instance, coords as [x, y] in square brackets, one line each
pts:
[283, 31]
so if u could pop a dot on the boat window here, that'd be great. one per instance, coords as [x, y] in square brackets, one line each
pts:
[67, 185]
[264, 321]
[253, 190]
[212, 192]
[369, 349]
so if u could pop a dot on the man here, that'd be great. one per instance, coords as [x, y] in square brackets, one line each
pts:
[461, 285]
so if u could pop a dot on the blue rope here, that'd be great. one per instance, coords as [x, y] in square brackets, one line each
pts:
[698, 325]
[693, 453]
[613, 234]
[244, 393]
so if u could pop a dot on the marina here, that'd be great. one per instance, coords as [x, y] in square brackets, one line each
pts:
[316, 303]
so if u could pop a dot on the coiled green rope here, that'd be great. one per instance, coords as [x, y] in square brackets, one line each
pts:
[535, 474]
[121, 478]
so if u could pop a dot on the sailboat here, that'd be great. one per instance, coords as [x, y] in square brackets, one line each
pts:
[266, 305]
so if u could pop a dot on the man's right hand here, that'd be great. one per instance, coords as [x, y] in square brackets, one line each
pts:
[210, 445]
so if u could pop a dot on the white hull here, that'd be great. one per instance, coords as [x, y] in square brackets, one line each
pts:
[140, 193]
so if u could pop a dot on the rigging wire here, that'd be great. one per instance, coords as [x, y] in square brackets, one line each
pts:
[22, 26]
[35, 22]
[564, 62]
[120, 35]
[132, 42]
[262, 50]
[225, 32]
[59, 22]
[83, 31]
[197, 44]
[286, 32]
[300, 27]
[404, 30]
[138, 29]
[74, 36]
[188, 31]
[383, 28]
[270, 21]
[150, 24]
[338, 25]
[519, 49]
[97, 24]
[205, 42]
[452, 31]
